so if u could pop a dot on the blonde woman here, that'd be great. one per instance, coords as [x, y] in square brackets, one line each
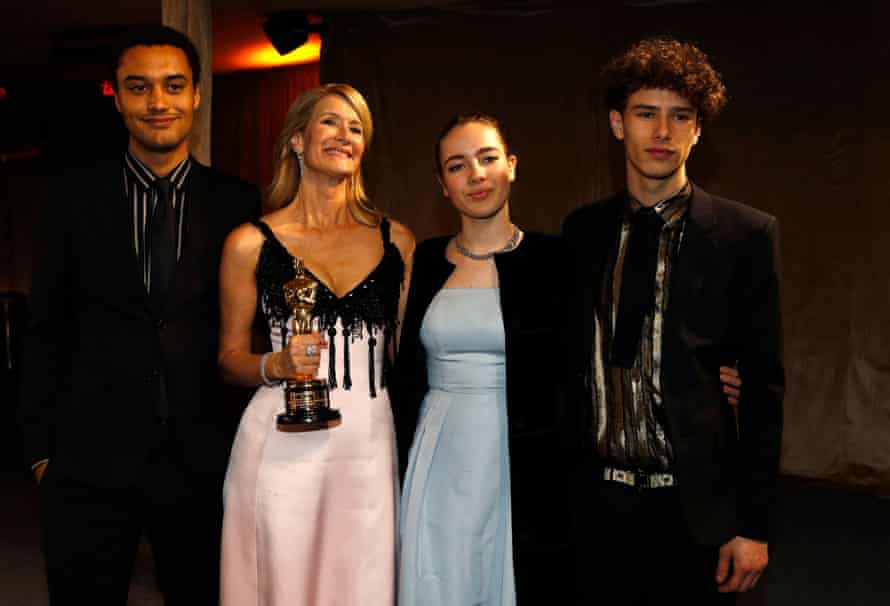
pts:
[310, 517]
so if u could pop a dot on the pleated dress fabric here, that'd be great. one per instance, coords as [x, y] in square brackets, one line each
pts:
[310, 517]
[455, 528]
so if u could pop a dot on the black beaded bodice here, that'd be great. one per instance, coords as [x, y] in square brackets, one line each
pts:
[369, 309]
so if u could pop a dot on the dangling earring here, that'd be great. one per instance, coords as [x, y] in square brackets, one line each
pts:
[300, 162]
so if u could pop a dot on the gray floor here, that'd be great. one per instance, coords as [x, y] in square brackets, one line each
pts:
[833, 549]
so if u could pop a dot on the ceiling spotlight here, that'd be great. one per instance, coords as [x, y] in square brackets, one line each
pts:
[289, 31]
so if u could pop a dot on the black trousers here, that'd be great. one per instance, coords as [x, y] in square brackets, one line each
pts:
[635, 549]
[545, 577]
[91, 533]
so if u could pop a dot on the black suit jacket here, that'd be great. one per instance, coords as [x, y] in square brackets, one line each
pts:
[723, 307]
[543, 435]
[96, 347]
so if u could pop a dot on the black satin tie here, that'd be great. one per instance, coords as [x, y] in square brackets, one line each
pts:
[163, 240]
[637, 285]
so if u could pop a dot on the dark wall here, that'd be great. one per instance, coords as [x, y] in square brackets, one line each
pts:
[54, 114]
[803, 138]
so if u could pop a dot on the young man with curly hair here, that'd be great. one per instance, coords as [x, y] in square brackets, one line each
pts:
[679, 494]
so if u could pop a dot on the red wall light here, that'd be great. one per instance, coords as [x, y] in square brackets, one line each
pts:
[107, 89]
[3, 94]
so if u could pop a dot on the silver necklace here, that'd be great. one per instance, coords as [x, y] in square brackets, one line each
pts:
[512, 243]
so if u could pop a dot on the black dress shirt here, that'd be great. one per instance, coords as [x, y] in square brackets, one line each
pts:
[139, 189]
[628, 407]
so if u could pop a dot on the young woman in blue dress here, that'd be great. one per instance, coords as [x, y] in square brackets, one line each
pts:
[487, 490]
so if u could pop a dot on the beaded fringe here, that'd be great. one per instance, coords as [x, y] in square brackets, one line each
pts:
[371, 306]
[347, 376]
[371, 374]
[332, 358]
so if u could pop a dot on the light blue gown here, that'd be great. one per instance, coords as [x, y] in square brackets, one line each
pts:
[455, 523]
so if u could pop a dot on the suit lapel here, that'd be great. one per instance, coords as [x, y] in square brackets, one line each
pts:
[696, 265]
[121, 257]
[188, 277]
[696, 260]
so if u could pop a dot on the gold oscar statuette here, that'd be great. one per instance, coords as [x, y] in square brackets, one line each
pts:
[306, 398]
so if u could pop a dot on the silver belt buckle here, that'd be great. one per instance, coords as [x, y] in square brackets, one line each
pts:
[619, 475]
[661, 480]
[638, 479]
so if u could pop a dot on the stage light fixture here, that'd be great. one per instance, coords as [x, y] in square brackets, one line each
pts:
[289, 31]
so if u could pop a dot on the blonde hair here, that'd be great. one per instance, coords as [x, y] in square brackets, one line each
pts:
[286, 180]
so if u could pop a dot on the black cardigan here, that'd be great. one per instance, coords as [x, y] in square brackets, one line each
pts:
[543, 431]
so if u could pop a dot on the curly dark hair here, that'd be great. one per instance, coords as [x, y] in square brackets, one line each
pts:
[667, 63]
[154, 35]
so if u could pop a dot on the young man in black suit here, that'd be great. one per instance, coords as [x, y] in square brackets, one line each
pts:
[679, 495]
[122, 403]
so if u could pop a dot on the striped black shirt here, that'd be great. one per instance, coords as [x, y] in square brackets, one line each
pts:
[142, 195]
[628, 403]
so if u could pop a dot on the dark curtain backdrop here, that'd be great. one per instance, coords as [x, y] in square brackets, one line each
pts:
[248, 113]
[804, 138]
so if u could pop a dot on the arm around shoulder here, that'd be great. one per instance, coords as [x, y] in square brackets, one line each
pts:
[405, 242]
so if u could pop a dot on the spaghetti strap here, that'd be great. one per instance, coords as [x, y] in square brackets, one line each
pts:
[384, 230]
[369, 309]
[267, 231]
[272, 239]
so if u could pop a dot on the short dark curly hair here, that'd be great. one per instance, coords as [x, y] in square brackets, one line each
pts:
[154, 35]
[667, 63]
